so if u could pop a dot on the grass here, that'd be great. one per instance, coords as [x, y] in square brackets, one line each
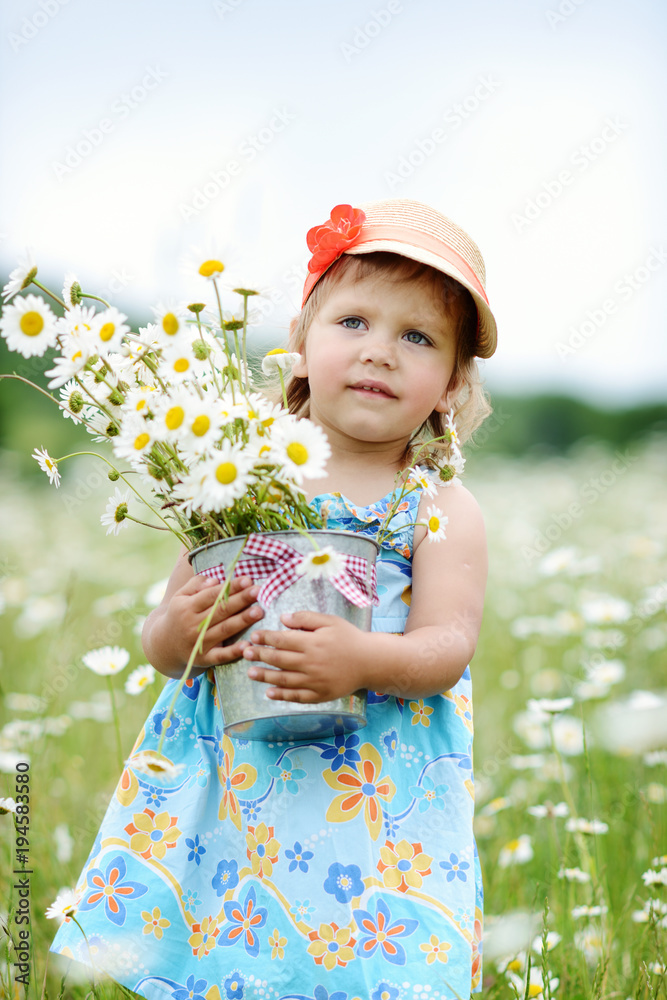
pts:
[564, 533]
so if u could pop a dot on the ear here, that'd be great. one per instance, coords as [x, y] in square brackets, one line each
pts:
[449, 395]
[300, 369]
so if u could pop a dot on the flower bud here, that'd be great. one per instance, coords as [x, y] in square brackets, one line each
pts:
[233, 324]
[196, 307]
[245, 292]
[76, 402]
[113, 475]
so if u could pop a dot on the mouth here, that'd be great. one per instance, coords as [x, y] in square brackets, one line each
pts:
[370, 387]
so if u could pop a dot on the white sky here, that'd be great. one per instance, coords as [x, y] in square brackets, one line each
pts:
[351, 98]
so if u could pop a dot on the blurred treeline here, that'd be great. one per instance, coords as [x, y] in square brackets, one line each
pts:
[519, 425]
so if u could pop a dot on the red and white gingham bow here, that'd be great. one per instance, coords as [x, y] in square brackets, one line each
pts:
[276, 563]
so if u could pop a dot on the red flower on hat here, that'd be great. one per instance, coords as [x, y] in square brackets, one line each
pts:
[329, 241]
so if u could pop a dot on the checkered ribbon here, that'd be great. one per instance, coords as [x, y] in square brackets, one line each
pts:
[276, 563]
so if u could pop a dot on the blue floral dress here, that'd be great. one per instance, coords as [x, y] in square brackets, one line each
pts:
[338, 869]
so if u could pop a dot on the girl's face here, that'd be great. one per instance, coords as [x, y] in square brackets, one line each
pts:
[378, 357]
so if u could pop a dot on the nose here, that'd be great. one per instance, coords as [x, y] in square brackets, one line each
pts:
[378, 351]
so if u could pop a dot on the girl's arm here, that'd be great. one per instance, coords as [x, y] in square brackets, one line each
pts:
[171, 630]
[324, 657]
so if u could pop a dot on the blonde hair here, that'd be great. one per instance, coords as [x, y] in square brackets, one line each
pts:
[470, 404]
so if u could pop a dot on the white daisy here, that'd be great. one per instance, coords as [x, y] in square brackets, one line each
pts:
[7, 806]
[140, 400]
[74, 358]
[321, 564]
[179, 363]
[574, 875]
[577, 824]
[435, 524]
[47, 465]
[605, 673]
[606, 610]
[652, 877]
[211, 269]
[135, 440]
[114, 517]
[140, 678]
[590, 942]
[109, 330]
[548, 810]
[78, 320]
[549, 706]
[535, 986]
[71, 290]
[422, 479]
[154, 764]
[568, 735]
[72, 401]
[279, 360]
[65, 905]
[201, 427]
[588, 911]
[220, 479]
[516, 852]
[29, 326]
[21, 276]
[169, 413]
[301, 447]
[262, 415]
[171, 321]
[147, 340]
[106, 660]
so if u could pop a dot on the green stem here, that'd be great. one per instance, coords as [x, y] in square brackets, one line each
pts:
[87, 295]
[245, 331]
[48, 292]
[282, 386]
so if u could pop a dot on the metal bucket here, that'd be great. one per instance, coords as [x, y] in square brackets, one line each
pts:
[247, 712]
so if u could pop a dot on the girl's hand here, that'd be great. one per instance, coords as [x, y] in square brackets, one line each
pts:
[173, 629]
[321, 657]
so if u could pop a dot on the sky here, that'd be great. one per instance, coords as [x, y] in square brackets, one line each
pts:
[141, 137]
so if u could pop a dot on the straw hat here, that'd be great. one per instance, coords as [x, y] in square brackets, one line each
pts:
[411, 229]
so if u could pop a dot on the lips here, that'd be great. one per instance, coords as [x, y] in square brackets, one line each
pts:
[370, 387]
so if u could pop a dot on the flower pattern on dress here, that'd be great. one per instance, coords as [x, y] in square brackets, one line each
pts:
[112, 887]
[404, 865]
[351, 926]
[361, 788]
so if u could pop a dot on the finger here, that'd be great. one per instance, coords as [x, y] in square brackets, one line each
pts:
[307, 620]
[231, 604]
[282, 658]
[220, 655]
[280, 679]
[282, 639]
[218, 633]
[300, 695]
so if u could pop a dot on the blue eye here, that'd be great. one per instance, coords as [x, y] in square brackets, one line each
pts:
[352, 323]
[416, 333]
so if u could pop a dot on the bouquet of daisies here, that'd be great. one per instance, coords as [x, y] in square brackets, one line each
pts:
[176, 402]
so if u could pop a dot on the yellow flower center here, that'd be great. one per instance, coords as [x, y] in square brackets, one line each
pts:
[78, 354]
[433, 523]
[174, 417]
[322, 558]
[380, 936]
[200, 425]
[140, 404]
[276, 350]
[32, 323]
[107, 331]
[297, 453]
[513, 845]
[141, 441]
[226, 473]
[170, 324]
[514, 965]
[534, 990]
[211, 267]
[181, 365]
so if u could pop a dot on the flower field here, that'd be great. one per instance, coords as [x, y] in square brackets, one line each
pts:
[570, 713]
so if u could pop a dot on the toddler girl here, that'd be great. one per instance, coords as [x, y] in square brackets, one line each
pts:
[345, 867]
